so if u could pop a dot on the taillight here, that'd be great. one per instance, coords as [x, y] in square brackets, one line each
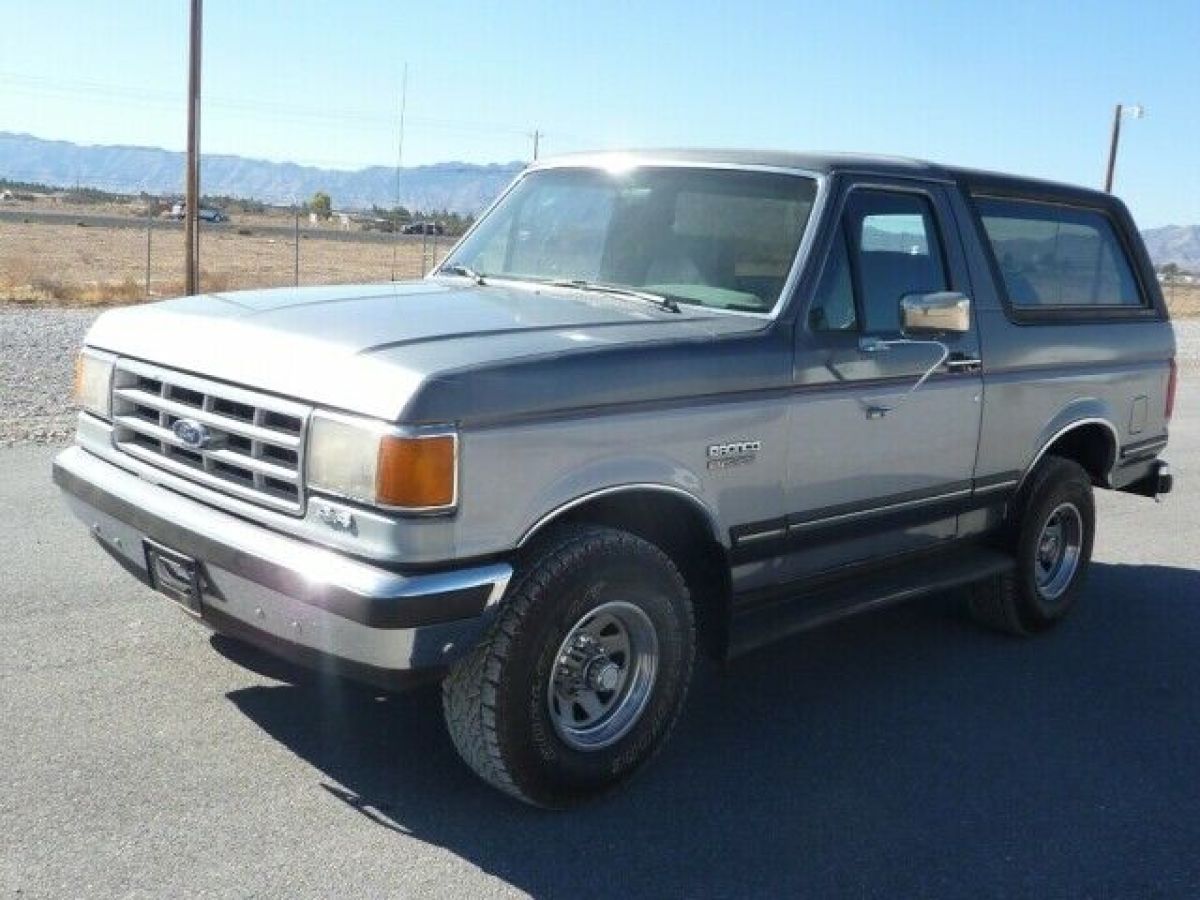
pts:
[1172, 380]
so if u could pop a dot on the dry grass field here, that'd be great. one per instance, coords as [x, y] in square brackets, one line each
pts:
[63, 263]
[1183, 299]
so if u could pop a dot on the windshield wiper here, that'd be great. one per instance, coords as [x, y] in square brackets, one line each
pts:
[583, 285]
[464, 271]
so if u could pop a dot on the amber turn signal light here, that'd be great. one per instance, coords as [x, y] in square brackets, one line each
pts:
[416, 472]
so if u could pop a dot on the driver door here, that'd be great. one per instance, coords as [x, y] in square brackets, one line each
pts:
[876, 467]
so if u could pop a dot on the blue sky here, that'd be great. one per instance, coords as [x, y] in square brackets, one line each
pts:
[1018, 86]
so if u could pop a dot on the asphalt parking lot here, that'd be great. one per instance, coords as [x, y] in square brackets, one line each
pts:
[896, 755]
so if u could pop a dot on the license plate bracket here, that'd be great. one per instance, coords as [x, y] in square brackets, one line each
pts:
[175, 575]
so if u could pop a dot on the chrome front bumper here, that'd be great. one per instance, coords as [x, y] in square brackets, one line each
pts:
[295, 599]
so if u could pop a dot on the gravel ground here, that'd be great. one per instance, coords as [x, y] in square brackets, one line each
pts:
[37, 351]
[1187, 336]
[37, 355]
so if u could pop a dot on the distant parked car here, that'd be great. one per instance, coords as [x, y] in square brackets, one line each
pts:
[206, 214]
[424, 228]
[376, 224]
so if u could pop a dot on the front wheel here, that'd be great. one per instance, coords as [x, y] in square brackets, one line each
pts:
[1053, 529]
[582, 675]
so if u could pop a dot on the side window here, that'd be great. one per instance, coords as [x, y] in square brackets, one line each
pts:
[833, 306]
[897, 253]
[887, 247]
[1057, 256]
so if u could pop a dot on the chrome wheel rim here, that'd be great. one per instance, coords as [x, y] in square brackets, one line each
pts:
[603, 676]
[1057, 552]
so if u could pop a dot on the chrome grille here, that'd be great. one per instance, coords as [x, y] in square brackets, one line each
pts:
[255, 448]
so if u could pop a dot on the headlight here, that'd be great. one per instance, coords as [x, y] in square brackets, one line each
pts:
[382, 465]
[93, 381]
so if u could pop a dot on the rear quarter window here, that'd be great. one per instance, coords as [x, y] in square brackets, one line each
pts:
[1058, 258]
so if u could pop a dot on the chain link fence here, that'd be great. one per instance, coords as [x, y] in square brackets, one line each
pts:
[98, 257]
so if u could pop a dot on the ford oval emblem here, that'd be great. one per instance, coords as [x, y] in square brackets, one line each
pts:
[192, 434]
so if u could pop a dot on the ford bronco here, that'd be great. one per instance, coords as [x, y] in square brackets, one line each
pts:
[652, 404]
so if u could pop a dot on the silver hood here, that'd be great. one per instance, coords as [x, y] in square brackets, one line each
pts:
[370, 348]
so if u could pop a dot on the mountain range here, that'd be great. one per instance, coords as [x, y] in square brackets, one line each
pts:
[1178, 244]
[452, 186]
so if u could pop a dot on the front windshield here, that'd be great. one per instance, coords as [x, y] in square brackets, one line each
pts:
[708, 237]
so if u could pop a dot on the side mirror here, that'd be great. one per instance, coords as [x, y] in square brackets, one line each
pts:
[939, 313]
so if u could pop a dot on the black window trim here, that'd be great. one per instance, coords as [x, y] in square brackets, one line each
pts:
[921, 189]
[1069, 315]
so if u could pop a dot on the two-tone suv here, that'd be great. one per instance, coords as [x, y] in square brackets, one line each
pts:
[652, 403]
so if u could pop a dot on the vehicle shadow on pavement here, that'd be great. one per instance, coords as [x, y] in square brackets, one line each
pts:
[903, 753]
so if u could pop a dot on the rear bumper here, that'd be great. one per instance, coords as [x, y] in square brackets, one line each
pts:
[1150, 478]
[296, 600]
[1165, 481]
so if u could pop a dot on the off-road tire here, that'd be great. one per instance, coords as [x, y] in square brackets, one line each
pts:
[1012, 602]
[495, 700]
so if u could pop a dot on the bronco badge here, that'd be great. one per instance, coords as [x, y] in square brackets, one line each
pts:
[738, 453]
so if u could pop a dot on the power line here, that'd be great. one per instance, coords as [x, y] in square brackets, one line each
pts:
[39, 85]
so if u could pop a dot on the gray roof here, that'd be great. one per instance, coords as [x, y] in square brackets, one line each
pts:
[819, 163]
[811, 162]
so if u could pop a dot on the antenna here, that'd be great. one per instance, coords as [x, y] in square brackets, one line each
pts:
[399, 165]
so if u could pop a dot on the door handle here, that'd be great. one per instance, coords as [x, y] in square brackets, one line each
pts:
[960, 362]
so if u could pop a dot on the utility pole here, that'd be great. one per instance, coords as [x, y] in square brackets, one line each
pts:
[537, 137]
[191, 220]
[149, 229]
[295, 245]
[1137, 112]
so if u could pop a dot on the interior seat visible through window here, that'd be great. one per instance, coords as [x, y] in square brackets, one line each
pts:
[887, 247]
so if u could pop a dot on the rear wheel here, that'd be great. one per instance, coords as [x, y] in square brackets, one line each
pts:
[1052, 532]
[582, 675]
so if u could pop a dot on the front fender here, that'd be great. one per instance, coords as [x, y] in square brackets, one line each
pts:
[618, 475]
